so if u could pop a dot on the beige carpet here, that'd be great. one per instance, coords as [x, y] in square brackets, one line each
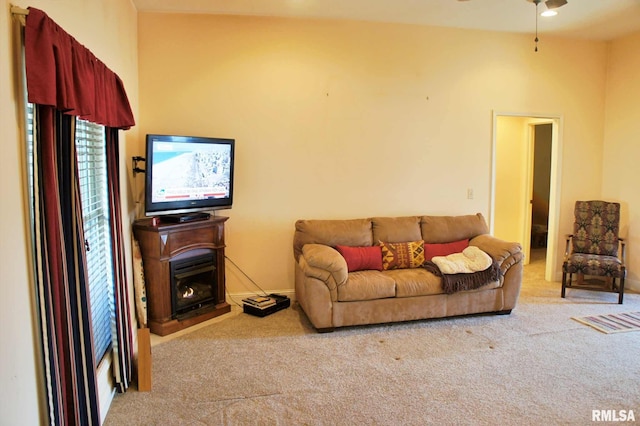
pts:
[535, 366]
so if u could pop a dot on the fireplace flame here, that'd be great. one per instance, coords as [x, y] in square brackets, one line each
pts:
[187, 293]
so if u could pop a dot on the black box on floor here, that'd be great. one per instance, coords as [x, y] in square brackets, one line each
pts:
[282, 302]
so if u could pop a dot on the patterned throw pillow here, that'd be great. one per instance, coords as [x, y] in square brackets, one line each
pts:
[402, 255]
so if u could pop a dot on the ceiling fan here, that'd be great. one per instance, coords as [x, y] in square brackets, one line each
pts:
[551, 4]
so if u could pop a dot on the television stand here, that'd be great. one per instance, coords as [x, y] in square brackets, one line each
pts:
[165, 244]
[184, 217]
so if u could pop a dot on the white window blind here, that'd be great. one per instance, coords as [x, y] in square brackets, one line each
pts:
[31, 131]
[92, 173]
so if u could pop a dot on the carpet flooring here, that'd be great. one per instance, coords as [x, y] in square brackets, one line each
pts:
[536, 366]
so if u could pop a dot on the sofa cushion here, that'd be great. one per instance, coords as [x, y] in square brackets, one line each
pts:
[361, 258]
[444, 249]
[396, 229]
[415, 282]
[366, 285]
[444, 229]
[402, 255]
[352, 232]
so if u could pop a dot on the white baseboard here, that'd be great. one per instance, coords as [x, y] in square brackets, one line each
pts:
[632, 285]
[106, 386]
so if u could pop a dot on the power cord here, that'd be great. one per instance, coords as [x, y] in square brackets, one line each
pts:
[264, 293]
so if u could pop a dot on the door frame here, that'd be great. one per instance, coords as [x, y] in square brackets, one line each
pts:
[555, 186]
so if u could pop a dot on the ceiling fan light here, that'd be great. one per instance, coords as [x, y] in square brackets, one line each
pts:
[552, 4]
[549, 13]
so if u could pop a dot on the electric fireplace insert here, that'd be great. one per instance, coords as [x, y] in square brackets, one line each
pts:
[193, 284]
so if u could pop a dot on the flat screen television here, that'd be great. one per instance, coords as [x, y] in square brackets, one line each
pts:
[187, 174]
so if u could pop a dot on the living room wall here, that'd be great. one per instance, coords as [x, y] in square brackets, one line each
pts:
[621, 148]
[338, 119]
[510, 178]
[109, 29]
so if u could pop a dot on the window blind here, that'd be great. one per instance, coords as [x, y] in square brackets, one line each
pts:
[92, 174]
[30, 154]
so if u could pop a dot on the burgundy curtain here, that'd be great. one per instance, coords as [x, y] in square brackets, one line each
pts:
[62, 274]
[63, 73]
[123, 346]
[65, 80]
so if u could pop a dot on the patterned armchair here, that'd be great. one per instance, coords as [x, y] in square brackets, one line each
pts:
[595, 249]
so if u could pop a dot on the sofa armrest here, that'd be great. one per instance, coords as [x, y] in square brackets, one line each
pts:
[320, 270]
[506, 253]
[498, 249]
[509, 256]
[324, 263]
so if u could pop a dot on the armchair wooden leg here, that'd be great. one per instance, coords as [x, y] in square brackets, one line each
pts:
[621, 291]
[564, 283]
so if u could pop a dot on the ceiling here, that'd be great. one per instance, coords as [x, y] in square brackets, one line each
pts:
[588, 19]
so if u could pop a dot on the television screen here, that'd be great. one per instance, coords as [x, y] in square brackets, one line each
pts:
[188, 173]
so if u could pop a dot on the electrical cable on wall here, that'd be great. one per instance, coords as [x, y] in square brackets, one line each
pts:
[264, 293]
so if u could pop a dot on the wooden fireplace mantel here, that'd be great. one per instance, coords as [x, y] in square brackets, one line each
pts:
[168, 241]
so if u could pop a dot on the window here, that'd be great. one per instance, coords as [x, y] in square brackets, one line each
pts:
[92, 173]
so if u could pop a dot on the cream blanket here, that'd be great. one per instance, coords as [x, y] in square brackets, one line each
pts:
[472, 259]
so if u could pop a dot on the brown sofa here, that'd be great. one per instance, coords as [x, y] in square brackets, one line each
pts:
[333, 297]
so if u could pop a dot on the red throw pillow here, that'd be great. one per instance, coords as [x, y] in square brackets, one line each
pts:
[361, 258]
[444, 249]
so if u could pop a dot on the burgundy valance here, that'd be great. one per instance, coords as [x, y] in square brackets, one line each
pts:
[63, 73]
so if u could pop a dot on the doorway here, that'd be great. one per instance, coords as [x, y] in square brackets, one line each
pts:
[541, 181]
[526, 158]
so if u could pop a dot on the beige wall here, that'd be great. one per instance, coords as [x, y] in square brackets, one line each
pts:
[338, 119]
[622, 143]
[109, 29]
[511, 177]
